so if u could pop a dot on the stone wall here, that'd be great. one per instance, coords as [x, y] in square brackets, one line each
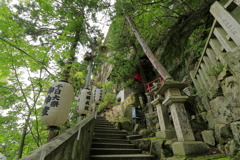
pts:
[123, 94]
[121, 114]
[221, 109]
[69, 145]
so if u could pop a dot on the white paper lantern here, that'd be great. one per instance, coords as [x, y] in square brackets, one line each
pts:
[84, 101]
[98, 95]
[57, 104]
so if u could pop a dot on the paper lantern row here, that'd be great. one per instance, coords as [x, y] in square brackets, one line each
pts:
[57, 104]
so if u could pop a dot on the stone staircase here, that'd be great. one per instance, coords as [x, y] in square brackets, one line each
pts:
[110, 143]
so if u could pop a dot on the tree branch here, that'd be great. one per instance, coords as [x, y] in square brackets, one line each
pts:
[43, 65]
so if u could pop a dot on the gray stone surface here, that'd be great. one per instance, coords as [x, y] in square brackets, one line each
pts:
[157, 149]
[231, 148]
[227, 21]
[205, 102]
[208, 137]
[166, 134]
[221, 110]
[143, 144]
[163, 118]
[235, 127]
[211, 119]
[66, 146]
[232, 59]
[168, 144]
[151, 120]
[196, 82]
[126, 126]
[204, 81]
[181, 123]
[236, 113]
[189, 91]
[231, 90]
[189, 148]
[203, 115]
[222, 133]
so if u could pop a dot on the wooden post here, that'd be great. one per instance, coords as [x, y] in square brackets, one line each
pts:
[53, 132]
[156, 64]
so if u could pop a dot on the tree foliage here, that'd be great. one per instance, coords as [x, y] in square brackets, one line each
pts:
[167, 26]
[39, 43]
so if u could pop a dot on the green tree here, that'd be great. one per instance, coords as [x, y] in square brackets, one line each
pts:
[39, 41]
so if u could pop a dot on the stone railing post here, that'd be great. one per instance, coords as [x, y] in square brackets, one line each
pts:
[173, 99]
[149, 105]
[167, 130]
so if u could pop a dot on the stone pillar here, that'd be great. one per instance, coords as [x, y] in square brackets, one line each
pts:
[174, 100]
[186, 144]
[149, 105]
[167, 130]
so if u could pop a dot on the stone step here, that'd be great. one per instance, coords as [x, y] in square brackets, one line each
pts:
[104, 125]
[110, 131]
[101, 151]
[123, 157]
[107, 140]
[108, 135]
[106, 128]
[101, 119]
[112, 145]
[133, 137]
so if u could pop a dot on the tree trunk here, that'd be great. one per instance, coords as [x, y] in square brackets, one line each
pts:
[156, 64]
[24, 134]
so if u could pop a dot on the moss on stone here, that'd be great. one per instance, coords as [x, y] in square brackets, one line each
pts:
[210, 157]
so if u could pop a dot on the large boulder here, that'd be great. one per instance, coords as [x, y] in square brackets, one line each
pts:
[221, 110]
[231, 90]
[231, 148]
[157, 149]
[143, 144]
[236, 113]
[235, 127]
[208, 137]
[223, 133]
[205, 102]
[211, 119]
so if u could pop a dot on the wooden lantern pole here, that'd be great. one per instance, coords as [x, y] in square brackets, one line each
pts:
[156, 64]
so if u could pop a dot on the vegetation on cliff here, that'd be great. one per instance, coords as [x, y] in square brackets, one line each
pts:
[40, 40]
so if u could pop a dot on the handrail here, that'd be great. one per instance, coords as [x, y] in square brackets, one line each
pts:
[48, 148]
[205, 47]
[149, 83]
